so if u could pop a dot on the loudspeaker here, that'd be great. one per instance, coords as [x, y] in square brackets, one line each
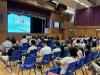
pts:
[61, 7]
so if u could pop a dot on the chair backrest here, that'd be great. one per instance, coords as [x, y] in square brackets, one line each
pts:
[55, 70]
[94, 55]
[98, 54]
[16, 55]
[24, 47]
[40, 44]
[30, 61]
[71, 68]
[80, 63]
[33, 52]
[57, 54]
[66, 52]
[46, 59]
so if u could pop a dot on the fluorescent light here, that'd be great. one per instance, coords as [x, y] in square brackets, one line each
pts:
[84, 3]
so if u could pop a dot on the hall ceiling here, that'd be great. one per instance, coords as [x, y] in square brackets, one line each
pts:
[75, 5]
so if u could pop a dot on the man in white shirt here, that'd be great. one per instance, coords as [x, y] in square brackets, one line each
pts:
[7, 44]
[45, 50]
[57, 49]
[24, 40]
[64, 62]
[32, 47]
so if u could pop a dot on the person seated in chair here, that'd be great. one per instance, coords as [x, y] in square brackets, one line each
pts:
[57, 49]
[64, 62]
[45, 50]
[32, 46]
[6, 45]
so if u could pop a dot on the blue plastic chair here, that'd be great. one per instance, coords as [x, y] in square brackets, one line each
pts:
[71, 68]
[56, 54]
[16, 56]
[80, 64]
[24, 48]
[33, 52]
[45, 60]
[66, 53]
[55, 70]
[29, 63]
[98, 54]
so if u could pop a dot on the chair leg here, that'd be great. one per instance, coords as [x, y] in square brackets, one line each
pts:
[53, 63]
[49, 65]
[86, 70]
[19, 71]
[75, 73]
[82, 71]
[22, 71]
[10, 67]
[35, 71]
[30, 72]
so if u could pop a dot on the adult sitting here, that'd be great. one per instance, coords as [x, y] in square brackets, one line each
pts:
[64, 62]
[45, 50]
[32, 46]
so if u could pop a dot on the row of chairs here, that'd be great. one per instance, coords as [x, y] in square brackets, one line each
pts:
[72, 67]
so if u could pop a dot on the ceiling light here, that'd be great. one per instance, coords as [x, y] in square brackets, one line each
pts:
[84, 3]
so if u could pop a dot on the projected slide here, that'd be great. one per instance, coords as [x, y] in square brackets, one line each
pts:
[56, 24]
[18, 23]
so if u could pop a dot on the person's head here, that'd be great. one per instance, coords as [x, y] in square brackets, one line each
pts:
[13, 41]
[33, 37]
[45, 43]
[78, 41]
[8, 38]
[33, 42]
[88, 47]
[73, 51]
[24, 36]
[94, 44]
[57, 43]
